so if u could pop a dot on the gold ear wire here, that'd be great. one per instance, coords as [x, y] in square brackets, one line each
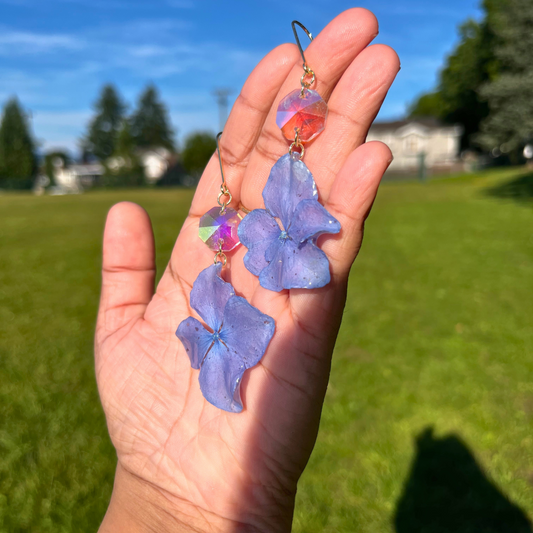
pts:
[307, 71]
[308, 33]
[224, 191]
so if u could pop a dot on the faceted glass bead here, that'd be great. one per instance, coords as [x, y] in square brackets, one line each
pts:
[215, 226]
[307, 112]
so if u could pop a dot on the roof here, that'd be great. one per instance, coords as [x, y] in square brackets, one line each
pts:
[428, 122]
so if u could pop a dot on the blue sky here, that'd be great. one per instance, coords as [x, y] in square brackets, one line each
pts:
[56, 54]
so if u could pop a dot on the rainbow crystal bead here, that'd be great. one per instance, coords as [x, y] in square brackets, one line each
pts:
[306, 112]
[216, 226]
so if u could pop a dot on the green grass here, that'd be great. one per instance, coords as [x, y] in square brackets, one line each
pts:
[437, 334]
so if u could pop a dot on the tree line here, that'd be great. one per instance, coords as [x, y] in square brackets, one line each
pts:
[486, 85]
[114, 138]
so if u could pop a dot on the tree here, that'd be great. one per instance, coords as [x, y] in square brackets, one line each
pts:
[199, 148]
[103, 129]
[510, 96]
[124, 167]
[472, 64]
[17, 149]
[150, 125]
[468, 68]
[427, 105]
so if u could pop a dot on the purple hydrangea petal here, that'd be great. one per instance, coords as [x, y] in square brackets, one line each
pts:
[256, 231]
[246, 331]
[210, 294]
[220, 378]
[272, 250]
[296, 266]
[310, 220]
[196, 340]
[289, 183]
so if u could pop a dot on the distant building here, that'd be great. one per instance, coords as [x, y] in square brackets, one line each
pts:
[414, 142]
[74, 178]
[155, 162]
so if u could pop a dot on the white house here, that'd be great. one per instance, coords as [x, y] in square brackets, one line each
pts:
[74, 178]
[155, 162]
[413, 141]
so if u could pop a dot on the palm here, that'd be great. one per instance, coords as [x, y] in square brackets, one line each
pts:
[163, 429]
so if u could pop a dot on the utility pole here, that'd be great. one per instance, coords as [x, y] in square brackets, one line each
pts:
[221, 94]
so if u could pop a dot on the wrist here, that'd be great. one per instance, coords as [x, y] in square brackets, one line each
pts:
[137, 506]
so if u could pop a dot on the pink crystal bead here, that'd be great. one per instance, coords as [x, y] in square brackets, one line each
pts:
[215, 226]
[306, 112]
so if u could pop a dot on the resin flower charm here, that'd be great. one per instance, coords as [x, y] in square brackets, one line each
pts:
[237, 339]
[287, 257]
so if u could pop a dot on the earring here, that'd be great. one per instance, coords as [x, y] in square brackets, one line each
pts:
[285, 256]
[237, 334]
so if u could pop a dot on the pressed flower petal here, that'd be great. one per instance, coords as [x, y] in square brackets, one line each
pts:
[310, 220]
[246, 331]
[210, 294]
[296, 266]
[289, 183]
[220, 378]
[257, 231]
[196, 340]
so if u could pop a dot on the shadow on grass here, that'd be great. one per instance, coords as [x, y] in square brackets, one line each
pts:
[520, 188]
[447, 492]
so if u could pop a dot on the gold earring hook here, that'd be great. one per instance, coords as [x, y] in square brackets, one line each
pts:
[224, 191]
[308, 33]
[308, 72]
[220, 159]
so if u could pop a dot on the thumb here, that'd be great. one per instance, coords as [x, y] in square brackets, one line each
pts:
[128, 269]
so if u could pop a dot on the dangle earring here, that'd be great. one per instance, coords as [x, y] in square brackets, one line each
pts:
[281, 239]
[237, 334]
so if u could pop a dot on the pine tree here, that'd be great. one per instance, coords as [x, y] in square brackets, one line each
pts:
[124, 167]
[510, 96]
[103, 129]
[17, 157]
[150, 125]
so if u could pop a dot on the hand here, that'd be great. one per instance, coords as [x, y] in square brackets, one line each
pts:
[182, 463]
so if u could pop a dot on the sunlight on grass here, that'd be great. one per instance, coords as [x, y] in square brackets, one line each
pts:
[436, 334]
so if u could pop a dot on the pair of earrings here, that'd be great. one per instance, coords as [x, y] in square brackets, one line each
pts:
[282, 252]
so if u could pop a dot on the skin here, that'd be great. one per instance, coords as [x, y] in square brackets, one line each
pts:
[184, 465]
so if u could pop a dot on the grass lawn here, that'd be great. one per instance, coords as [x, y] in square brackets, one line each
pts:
[428, 416]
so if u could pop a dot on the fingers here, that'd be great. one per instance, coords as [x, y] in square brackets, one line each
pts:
[244, 126]
[128, 269]
[350, 201]
[352, 108]
[329, 55]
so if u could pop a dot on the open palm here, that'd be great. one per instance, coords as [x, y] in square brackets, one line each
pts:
[210, 466]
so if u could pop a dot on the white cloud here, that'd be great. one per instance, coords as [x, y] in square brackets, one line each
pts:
[18, 42]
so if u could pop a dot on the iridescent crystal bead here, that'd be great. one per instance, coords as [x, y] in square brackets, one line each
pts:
[216, 226]
[306, 112]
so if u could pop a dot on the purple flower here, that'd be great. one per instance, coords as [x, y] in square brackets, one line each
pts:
[237, 338]
[287, 257]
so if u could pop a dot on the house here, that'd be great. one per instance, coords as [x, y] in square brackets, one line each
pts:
[75, 178]
[419, 143]
[155, 162]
